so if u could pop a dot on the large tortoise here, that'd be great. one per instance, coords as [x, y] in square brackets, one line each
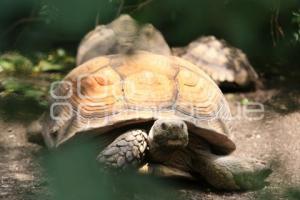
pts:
[160, 110]
[226, 65]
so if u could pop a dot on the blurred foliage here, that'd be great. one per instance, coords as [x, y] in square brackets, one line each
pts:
[18, 65]
[24, 79]
[293, 193]
[74, 175]
[57, 60]
[13, 85]
[14, 63]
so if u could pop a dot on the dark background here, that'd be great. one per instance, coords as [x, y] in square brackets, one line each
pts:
[266, 30]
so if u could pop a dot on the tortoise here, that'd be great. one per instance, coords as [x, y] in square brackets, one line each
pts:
[120, 36]
[228, 66]
[223, 62]
[164, 116]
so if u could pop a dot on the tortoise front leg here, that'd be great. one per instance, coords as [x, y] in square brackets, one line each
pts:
[127, 150]
[230, 172]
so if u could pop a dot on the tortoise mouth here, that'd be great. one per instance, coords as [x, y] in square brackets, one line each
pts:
[176, 143]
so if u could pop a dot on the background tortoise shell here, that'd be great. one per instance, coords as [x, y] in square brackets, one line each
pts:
[121, 35]
[116, 90]
[224, 63]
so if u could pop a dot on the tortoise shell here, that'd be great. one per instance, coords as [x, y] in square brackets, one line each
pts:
[119, 36]
[221, 61]
[116, 90]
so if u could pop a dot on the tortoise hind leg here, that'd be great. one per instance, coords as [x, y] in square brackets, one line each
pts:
[230, 172]
[127, 150]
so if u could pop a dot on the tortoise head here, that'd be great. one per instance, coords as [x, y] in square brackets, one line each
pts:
[168, 133]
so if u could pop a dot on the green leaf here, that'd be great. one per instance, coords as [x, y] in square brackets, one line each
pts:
[45, 66]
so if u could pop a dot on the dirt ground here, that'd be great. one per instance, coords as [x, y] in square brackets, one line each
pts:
[274, 138]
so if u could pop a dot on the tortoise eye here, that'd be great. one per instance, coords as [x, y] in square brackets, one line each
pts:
[163, 126]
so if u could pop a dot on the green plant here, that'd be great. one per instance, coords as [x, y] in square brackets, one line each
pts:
[15, 64]
[24, 79]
